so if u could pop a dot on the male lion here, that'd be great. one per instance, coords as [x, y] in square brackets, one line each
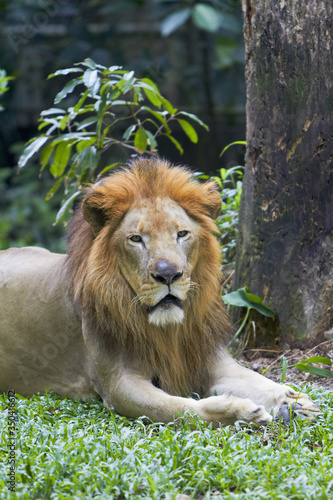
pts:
[133, 313]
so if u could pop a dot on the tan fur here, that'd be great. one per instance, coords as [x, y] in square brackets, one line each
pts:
[135, 305]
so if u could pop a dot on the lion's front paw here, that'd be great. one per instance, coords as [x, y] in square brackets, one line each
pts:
[296, 403]
[254, 413]
[228, 409]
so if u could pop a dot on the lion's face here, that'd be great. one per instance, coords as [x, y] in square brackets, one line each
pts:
[157, 248]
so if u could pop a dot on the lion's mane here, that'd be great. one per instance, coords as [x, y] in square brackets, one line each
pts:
[177, 355]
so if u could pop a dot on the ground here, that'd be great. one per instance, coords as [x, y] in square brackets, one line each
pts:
[260, 360]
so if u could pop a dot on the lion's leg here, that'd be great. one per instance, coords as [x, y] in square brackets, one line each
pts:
[233, 379]
[131, 392]
[135, 396]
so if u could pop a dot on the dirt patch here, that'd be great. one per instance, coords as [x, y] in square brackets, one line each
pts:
[271, 361]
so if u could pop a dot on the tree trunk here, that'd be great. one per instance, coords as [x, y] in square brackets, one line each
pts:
[285, 251]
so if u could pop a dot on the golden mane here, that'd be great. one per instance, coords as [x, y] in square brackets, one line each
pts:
[177, 355]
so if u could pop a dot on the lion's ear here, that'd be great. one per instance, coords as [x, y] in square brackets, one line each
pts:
[213, 202]
[94, 213]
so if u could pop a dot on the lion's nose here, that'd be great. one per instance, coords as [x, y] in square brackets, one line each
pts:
[166, 272]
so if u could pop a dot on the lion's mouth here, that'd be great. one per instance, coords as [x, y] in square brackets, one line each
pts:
[168, 300]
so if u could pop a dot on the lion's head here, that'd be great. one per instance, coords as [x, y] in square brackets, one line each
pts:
[145, 265]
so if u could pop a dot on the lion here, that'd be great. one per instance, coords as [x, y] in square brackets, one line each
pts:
[133, 313]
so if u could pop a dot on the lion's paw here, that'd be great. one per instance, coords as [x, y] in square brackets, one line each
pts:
[228, 409]
[254, 413]
[296, 403]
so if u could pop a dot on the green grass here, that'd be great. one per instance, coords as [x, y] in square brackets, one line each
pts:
[70, 449]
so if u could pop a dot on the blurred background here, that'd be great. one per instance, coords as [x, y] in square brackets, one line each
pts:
[193, 50]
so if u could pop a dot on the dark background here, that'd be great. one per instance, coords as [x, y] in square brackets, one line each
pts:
[198, 70]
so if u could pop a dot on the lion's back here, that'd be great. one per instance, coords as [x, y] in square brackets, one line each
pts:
[16, 261]
[40, 334]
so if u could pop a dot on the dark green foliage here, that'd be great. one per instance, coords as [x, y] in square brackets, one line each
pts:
[25, 217]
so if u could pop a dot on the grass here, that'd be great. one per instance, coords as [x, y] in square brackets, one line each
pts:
[71, 449]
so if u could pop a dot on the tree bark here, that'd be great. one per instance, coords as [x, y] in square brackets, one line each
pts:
[285, 251]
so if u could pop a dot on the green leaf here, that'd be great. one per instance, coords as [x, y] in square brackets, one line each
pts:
[305, 367]
[175, 142]
[30, 150]
[243, 143]
[68, 88]
[241, 298]
[64, 122]
[60, 159]
[91, 81]
[128, 132]
[195, 118]
[89, 63]
[174, 21]
[53, 111]
[72, 135]
[318, 359]
[284, 369]
[160, 115]
[65, 71]
[218, 182]
[206, 17]
[49, 121]
[141, 140]
[128, 76]
[84, 163]
[106, 169]
[189, 130]
[46, 154]
[225, 173]
[83, 144]
[54, 188]
[152, 94]
[89, 158]
[78, 105]
[151, 140]
[168, 106]
[65, 206]
[85, 123]
[113, 69]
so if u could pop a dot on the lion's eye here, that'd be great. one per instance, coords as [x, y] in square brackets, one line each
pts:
[136, 238]
[182, 234]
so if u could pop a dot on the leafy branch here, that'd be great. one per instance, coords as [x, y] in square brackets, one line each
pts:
[114, 109]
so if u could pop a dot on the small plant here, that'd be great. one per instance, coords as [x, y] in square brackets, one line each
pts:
[242, 298]
[230, 182]
[306, 365]
[114, 110]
